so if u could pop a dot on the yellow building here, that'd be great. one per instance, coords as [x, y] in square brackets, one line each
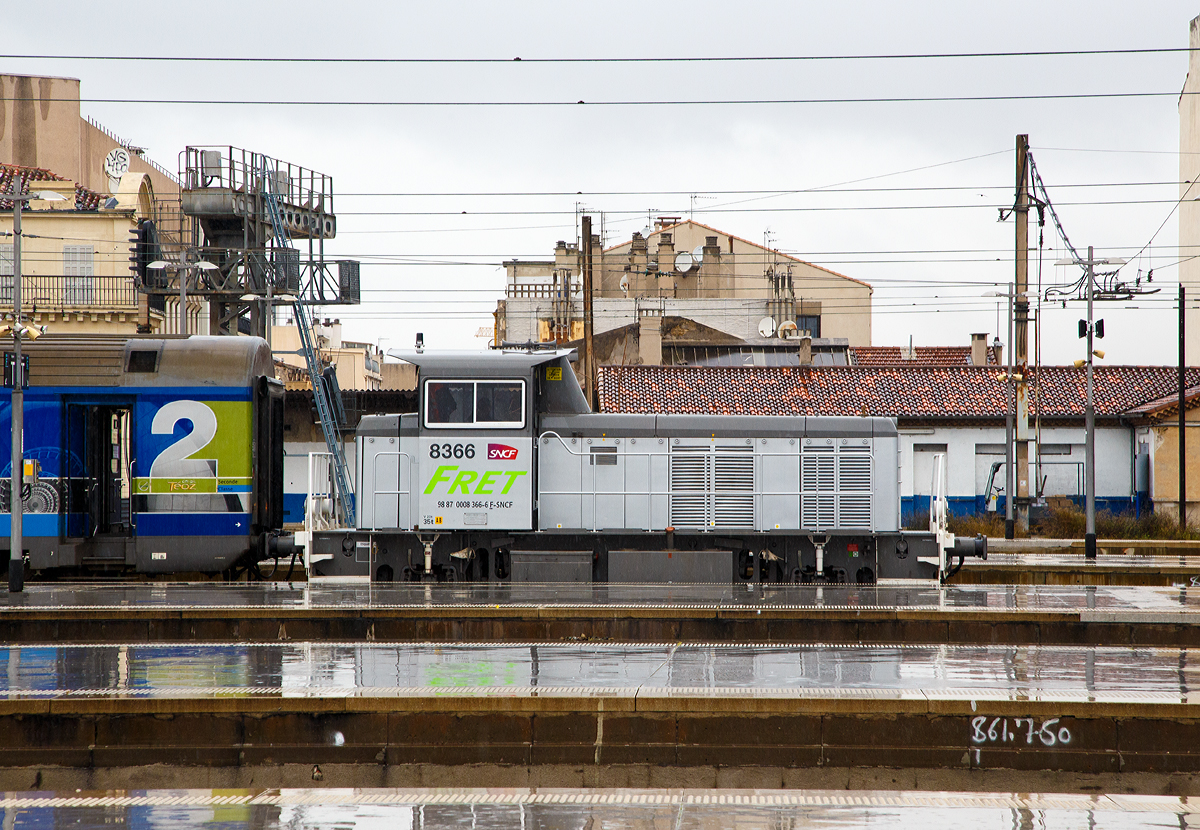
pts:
[76, 252]
[1159, 430]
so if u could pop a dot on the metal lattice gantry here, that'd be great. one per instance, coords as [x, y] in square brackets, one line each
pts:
[226, 200]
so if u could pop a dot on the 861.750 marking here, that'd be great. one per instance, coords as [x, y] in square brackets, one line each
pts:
[1003, 730]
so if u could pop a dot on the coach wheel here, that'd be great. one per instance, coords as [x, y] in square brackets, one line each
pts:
[865, 576]
[384, 573]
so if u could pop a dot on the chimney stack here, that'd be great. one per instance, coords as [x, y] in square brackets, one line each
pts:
[979, 349]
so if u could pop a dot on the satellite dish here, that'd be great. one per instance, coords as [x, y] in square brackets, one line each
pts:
[684, 262]
[698, 254]
[625, 284]
[788, 330]
[766, 326]
[646, 231]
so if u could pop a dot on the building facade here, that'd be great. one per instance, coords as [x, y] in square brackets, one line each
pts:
[688, 270]
[76, 252]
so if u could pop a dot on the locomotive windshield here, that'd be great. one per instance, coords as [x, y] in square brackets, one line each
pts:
[456, 404]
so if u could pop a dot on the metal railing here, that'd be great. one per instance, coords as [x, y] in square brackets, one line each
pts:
[247, 172]
[63, 293]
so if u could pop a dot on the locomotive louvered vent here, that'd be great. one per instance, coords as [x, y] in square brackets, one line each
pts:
[818, 478]
[835, 486]
[712, 487]
[854, 487]
[690, 482]
[733, 493]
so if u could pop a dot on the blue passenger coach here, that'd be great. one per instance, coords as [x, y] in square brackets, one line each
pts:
[148, 454]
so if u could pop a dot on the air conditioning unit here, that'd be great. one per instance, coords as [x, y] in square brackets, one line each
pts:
[211, 166]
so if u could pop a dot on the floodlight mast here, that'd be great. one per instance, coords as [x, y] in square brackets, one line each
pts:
[1089, 453]
[16, 556]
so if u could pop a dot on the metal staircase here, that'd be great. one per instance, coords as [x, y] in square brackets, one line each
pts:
[280, 241]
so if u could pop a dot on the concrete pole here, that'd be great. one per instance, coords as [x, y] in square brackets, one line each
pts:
[1020, 345]
[1089, 457]
[1182, 411]
[585, 249]
[16, 557]
[1010, 390]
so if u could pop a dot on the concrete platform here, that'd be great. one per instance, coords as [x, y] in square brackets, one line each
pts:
[556, 808]
[699, 707]
[1070, 567]
[182, 612]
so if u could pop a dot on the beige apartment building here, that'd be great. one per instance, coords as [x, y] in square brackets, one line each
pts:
[76, 250]
[358, 365]
[727, 286]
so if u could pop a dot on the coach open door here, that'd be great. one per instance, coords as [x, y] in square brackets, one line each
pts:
[97, 465]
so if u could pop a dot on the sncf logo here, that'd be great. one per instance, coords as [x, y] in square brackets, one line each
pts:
[501, 452]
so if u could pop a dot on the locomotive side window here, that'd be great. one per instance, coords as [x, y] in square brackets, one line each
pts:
[449, 403]
[499, 403]
[456, 404]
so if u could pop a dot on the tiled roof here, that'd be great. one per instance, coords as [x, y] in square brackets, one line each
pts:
[895, 391]
[922, 355]
[1168, 405]
[84, 199]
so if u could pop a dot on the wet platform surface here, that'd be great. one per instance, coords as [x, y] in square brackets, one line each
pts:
[645, 706]
[341, 611]
[463, 808]
[629, 670]
[349, 596]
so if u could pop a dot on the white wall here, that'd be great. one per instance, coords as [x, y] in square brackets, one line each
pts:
[967, 473]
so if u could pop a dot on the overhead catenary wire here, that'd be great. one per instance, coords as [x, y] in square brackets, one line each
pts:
[879, 56]
[581, 102]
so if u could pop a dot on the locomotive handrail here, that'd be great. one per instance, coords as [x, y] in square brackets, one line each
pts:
[757, 495]
[377, 492]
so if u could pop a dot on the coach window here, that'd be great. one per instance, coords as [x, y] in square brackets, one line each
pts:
[460, 404]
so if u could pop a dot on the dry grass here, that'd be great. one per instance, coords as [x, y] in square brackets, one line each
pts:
[1068, 523]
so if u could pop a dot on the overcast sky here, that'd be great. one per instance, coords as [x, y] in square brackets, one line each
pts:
[432, 263]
